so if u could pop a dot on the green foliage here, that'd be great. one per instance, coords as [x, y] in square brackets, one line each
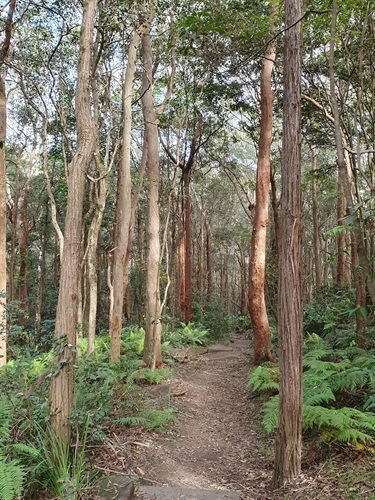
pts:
[152, 420]
[13, 457]
[331, 379]
[157, 420]
[265, 378]
[184, 336]
[63, 470]
[11, 479]
[149, 376]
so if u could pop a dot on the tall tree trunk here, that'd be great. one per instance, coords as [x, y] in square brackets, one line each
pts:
[289, 433]
[342, 275]
[124, 200]
[62, 383]
[275, 210]
[360, 297]
[257, 302]
[317, 258]
[92, 247]
[181, 261]
[209, 261]
[152, 347]
[42, 272]
[14, 217]
[243, 272]
[188, 310]
[23, 236]
[3, 193]
[343, 167]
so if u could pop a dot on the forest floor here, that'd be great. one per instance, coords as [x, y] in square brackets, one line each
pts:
[218, 442]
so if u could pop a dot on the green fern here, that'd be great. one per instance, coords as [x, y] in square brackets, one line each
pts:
[11, 479]
[271, 414]
[131, 421]
[5, 418]
[157, 420]
[150, 376]
[265, 378]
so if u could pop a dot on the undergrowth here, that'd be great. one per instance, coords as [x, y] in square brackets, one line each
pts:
[338, 393]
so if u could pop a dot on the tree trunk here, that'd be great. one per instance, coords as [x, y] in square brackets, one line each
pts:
[188, 309]
[62, 383]
[124, 200]
[289, 433]
[152, 347]
[275, 211]
[360, 297]
[92, 247]
[342, 275]
[317, 258]
[257, 302]
[42, 272]
[181, 261]
[209, 261]
[3, 222]
[3, 193]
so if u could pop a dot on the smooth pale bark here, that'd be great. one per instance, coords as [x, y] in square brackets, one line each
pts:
[342, 275]
[3, 195]
[124, 196]
[188, 309]
[62, 382]
[181, 261]
[289, 432]
[257, 302]
[360, 296]
[92, 247]
[42, 277]
[315, 209]
[24, 229]
[363, 260]
[243, 273]
[14, 218]
[152, 347]
[275, 211]
[210, 282]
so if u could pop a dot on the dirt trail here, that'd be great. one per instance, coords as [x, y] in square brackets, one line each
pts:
[216, 443]
[219, 443]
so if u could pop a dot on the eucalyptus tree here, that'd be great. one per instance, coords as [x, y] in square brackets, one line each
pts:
[146, 14]
[3, 210]
[62, 383]
[257, 302]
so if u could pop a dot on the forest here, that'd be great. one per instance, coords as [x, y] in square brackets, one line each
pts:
[187, 195]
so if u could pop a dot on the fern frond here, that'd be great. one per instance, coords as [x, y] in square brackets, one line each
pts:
[11, 479]
[5, 417]
[271, 414]
[24, 449]
[350, 378]
[265, 378]
[131, 421]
